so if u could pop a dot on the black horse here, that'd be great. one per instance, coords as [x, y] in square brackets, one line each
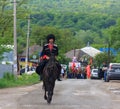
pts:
[50, 74]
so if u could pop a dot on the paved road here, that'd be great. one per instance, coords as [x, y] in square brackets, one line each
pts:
[68, 94]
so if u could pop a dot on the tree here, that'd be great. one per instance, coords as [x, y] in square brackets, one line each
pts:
[39, 33]
[100, 58]
[115, 32]
[109, 40]
[6, 19]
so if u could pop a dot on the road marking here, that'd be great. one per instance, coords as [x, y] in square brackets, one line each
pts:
[116, 91]
[77, 92]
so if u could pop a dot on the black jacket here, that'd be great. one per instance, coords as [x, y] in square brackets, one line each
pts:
[46, 50]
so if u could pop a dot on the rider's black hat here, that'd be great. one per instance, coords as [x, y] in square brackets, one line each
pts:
[50, 36]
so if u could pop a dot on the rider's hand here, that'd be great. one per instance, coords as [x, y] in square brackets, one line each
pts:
[47, 57]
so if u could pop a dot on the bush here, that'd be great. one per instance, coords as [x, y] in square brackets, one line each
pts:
[9, 76]
[10, 80]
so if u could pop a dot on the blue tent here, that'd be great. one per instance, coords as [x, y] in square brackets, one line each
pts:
[112, 50]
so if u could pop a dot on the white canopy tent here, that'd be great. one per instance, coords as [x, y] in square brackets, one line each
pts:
[90, 51]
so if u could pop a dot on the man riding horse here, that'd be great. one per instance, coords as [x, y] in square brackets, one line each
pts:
[48, 49]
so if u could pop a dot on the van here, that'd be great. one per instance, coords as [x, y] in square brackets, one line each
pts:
[113, 72]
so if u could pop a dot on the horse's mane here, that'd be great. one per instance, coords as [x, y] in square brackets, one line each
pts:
[51, 61]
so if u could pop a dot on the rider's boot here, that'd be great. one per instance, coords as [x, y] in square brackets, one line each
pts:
[59, 71]
[58, 78]
[41, 78]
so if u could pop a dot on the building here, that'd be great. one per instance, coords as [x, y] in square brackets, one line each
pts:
[31, 53]
[83, 54]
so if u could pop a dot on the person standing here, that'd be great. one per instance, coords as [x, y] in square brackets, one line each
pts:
[62, 72]
[88, 71]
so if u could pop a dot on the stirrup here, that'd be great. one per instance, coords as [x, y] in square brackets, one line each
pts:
[59, 79]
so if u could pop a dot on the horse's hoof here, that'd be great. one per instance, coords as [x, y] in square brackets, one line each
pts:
[45, 97]
[49, 100]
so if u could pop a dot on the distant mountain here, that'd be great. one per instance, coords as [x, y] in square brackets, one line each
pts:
[84, 6]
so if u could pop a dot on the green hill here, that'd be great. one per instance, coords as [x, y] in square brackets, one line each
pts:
[79, 21]
[83, 6]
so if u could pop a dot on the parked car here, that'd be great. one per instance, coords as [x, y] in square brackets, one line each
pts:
[94, 73]
[113, 72]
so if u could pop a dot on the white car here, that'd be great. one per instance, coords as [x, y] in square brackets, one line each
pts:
[94, 73]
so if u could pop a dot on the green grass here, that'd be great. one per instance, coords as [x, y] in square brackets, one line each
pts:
[9, 80]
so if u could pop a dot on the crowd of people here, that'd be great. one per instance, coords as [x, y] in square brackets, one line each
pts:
[84, 72]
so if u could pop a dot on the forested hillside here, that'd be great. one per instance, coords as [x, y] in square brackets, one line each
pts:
[86, 19]
[84, 6]
[74, 22]
[76, 14]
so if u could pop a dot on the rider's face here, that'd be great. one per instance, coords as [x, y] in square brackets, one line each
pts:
[51, 41]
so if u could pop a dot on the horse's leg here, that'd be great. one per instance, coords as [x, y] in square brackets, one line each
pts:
[45, 96]
[50, 91]
[49, 95]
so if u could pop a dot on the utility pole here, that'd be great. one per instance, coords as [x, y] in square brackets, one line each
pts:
[15, 39]
[41, 47]
[108, 53]
[27, 47]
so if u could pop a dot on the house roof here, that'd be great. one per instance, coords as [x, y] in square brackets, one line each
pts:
[88, 50]
[72, 53]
